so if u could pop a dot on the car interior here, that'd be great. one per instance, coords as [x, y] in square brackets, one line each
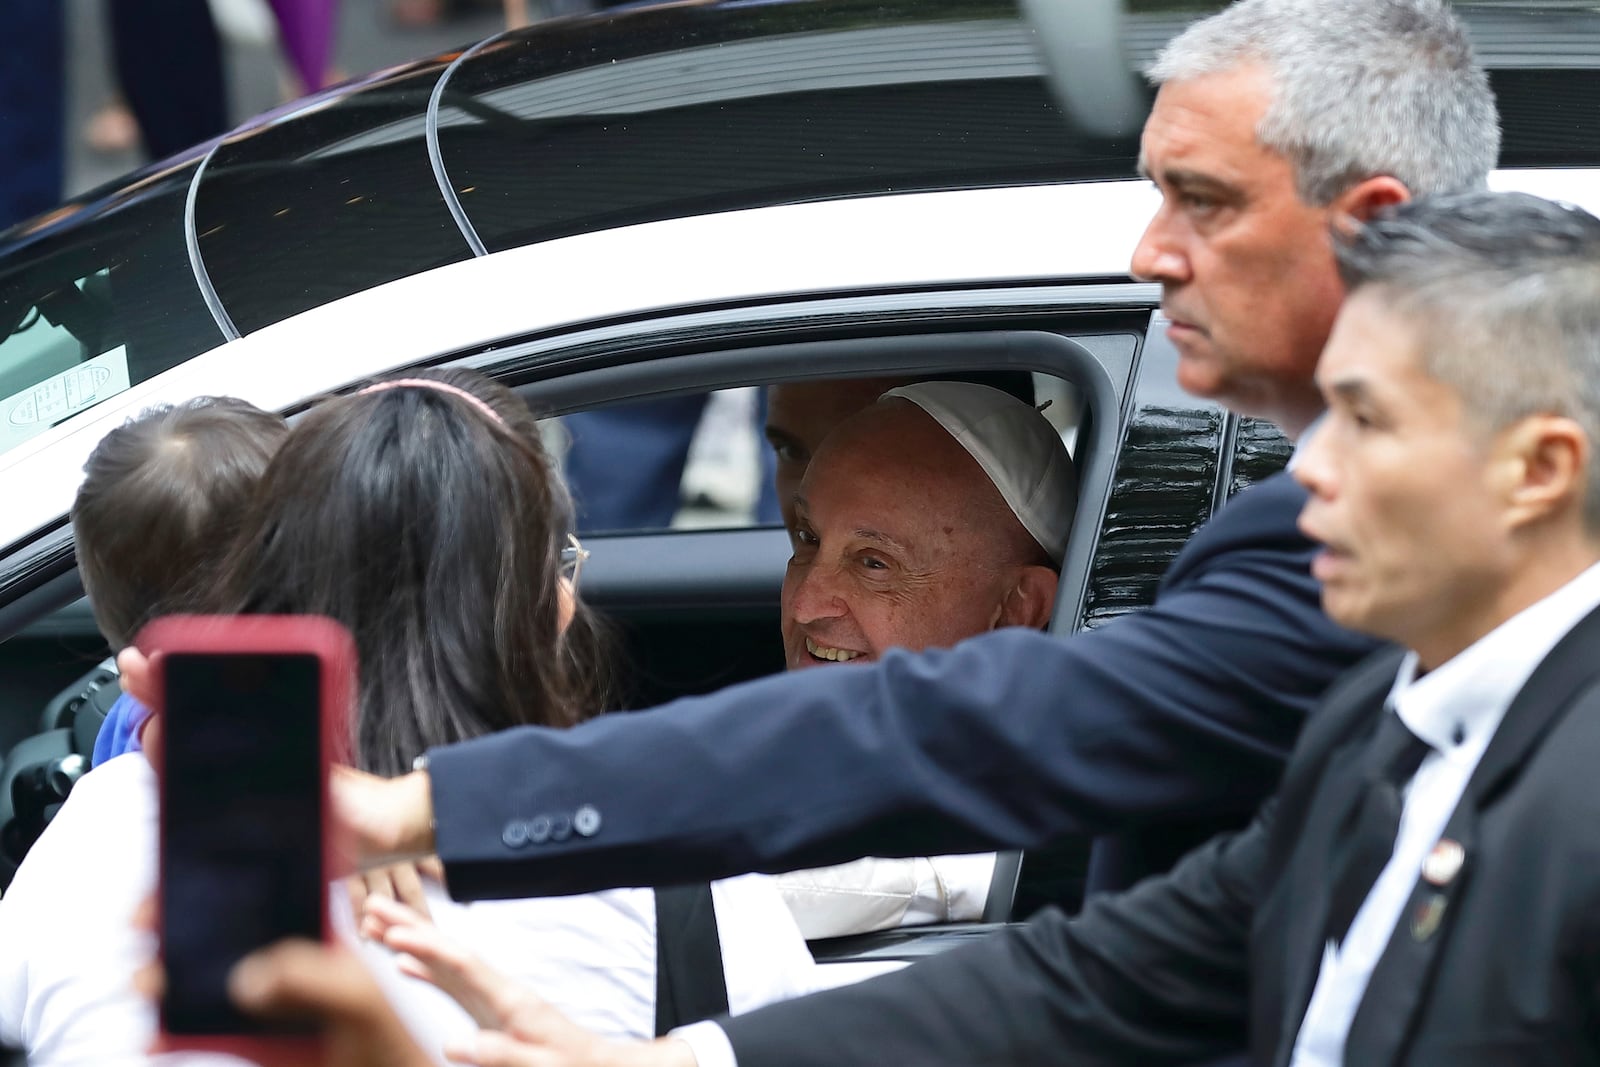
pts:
[694, 609]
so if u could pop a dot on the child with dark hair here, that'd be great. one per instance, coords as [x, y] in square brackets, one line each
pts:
[161, 501]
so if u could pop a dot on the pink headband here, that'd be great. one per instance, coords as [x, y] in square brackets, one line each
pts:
[438, 387]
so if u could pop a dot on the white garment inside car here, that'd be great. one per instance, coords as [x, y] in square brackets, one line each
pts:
[880, 894]
[68, 948]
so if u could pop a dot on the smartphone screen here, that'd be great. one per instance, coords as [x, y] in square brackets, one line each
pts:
[241, 821]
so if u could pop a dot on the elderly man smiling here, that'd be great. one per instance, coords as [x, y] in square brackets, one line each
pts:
[937, 513]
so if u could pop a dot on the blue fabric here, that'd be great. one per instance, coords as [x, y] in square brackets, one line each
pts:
[1180, 714]
[625, 464]
[120, 732]
[32, 109]
[169, 64]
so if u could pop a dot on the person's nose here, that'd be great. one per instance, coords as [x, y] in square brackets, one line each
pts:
[1313, 465]
[1159, 256]
[815, 595]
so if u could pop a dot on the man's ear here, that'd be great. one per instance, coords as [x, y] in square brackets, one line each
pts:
[1546, 463]
[1031, 599]
[1365, 199]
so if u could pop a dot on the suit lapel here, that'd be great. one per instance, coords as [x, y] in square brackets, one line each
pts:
[1293, 923]
[1404, 974]
[1569, 669]
[1305, 905]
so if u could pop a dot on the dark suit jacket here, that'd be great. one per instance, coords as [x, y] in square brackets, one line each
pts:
[1177, 716]
[1501, 965]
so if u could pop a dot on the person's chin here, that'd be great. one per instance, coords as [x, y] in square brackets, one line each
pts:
[1346, 606]
[1199, 375]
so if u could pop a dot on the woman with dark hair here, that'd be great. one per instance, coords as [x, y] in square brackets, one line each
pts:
[424, 514]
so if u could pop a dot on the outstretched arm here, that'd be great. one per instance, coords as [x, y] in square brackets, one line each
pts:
[1011, 740]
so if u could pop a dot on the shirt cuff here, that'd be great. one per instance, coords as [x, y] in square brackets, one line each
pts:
[709, 1043]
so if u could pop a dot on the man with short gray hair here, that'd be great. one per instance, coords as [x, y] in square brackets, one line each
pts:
[1386, 87]
[1276, 121]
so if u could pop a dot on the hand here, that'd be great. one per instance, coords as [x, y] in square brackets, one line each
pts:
[426, 954]
[519, 1029]
[307, 980]
[492, 1049]
[401, 882]
[133, 667]
[385, 820]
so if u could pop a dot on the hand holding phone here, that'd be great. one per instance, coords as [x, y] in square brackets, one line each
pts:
[249, 709]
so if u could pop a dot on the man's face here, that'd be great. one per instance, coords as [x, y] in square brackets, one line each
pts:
[900, 540]
[1246, 268]
[801, 414]
[1403, 493]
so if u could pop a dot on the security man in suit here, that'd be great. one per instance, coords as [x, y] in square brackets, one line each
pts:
[1425, 886]
[1276, 121]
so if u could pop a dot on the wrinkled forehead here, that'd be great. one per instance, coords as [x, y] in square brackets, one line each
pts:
[894, 458]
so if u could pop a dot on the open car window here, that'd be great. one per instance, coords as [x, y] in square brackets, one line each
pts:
[710, 460]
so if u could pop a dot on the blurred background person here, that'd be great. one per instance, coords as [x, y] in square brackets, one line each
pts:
[167, 60]
[32, 109]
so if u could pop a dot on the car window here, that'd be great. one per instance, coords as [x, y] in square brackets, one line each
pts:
[95, 298]
[718, 460]
[688, 462]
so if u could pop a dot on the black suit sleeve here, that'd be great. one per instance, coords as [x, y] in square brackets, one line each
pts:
[1154, 975]
[1010, 740]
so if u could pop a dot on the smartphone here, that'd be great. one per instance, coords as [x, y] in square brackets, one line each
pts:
[250, 707]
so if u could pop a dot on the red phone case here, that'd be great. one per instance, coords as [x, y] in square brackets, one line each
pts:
[333, 646]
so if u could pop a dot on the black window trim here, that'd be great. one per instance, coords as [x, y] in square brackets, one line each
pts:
[694, 372]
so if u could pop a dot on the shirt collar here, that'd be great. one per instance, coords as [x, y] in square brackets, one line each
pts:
[1457, 706]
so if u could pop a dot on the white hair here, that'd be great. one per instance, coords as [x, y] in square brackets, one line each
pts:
[1360, 88]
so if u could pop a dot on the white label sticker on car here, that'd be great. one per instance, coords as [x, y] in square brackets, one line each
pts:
[41, 406]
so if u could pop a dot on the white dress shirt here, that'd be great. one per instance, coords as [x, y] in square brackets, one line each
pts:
[881, 894]
[69, 947]
[1456, 709]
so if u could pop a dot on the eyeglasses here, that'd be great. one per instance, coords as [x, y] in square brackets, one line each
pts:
[572, 558]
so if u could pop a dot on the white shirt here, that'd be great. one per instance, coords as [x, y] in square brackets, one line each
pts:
[881, 894]
[1456, 709]
[68, 947]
